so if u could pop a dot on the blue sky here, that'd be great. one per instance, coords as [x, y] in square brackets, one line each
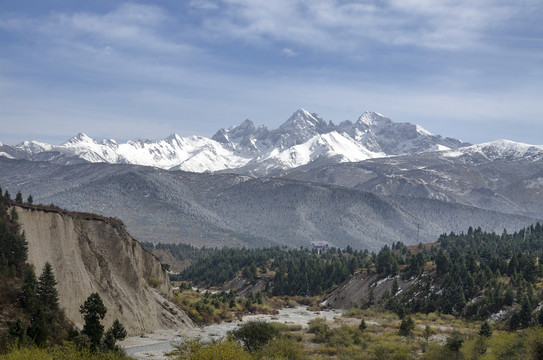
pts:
[136, 70]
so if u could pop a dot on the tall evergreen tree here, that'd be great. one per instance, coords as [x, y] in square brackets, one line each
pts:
[30, 200]
[485, 329]
[525, 314]
[407, 326]
[47, 292]
[38, 329]
[28, 298]
[19, 198]
[113, 334]
[93, 311]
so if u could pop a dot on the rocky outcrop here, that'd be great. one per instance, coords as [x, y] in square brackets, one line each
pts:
[356, 290]
[96, 255]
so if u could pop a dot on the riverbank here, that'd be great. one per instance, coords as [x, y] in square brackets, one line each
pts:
[155, 346]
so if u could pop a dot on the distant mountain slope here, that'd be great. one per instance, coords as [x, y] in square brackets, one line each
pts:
[502, 175]
[236, 210]
[302, 139]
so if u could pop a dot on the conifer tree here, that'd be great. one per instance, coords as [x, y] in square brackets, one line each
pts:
[525, 314]
[38, 329]
[394, 288]
[427, 333]
[362, 325]
[19, 198]
[93, 311]
[30, 200]
[485, 329]
[113, 334]
[407, 326]
[28, 298]
[47, 292]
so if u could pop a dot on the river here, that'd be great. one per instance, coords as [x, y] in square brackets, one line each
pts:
[155, 346]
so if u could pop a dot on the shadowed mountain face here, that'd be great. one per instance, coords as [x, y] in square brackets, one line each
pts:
[500, 176]
[237, 210]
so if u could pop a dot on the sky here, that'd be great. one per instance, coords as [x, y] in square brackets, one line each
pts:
[471, 70]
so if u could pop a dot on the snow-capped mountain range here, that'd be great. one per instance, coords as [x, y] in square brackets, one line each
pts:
[302, 139]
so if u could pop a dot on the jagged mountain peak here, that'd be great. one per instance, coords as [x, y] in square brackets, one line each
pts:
[174, 138]
[239, 133]
[33, 146]
[303, 138]
[303, 120]
[79, 138]
[372, 119]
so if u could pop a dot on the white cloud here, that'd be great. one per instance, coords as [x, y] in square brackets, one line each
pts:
[204, 4]
[289, 52]
[349, 25]
[132, 27]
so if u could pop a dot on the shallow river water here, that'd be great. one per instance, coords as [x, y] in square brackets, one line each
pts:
[155, 346]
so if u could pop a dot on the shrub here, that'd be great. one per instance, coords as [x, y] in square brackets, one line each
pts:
[282, 348]
[320, 329]
[154, 282]
[255, 334]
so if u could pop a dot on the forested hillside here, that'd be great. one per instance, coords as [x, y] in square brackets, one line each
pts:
[472, 275]
[235, 211]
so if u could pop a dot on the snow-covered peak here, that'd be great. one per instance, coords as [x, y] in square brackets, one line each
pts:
[33, 147]
[110, 142]
[501, 149]
[423, 131]
[173, 139]
[80, 138]
[304, 137]
[303, 120]
[373, 120]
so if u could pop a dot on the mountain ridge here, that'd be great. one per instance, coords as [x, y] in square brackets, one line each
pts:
[239, 210]
[300, 140]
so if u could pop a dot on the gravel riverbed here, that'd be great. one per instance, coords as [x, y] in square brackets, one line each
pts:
[155, 346]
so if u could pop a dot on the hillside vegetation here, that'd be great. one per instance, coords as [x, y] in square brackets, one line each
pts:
[473, 275]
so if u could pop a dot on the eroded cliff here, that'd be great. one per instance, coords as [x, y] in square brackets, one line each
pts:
[94, 255]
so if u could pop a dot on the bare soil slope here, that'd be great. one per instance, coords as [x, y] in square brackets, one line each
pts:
[93, 255]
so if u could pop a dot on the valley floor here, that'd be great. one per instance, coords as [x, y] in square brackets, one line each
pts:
[156, 345]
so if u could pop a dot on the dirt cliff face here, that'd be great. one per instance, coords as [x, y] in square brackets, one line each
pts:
[95, 256]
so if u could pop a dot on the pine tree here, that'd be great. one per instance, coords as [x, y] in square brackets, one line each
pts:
[394, 288]
[29, 298]
[428, 332]
[30, 200]
[93, 311]
[18, 331]
[485, 329]
[19, 198]
[371, 297]
[38, 329]
[113, 334]
[525, 314]
[407, 326]
[47, 292]
[362, 325]
[118, 330]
